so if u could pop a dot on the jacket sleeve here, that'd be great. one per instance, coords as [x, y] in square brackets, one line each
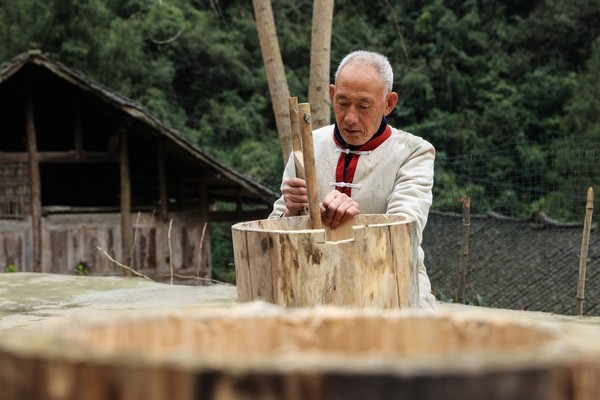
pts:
[412, 194]
[289, 172]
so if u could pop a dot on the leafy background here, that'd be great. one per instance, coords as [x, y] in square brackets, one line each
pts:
[473, 76]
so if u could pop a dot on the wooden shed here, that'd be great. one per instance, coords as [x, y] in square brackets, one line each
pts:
[87, 175]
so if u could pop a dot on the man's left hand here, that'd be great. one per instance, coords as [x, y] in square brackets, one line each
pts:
[337, 208]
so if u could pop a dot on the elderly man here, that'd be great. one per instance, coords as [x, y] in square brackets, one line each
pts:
[362, 163]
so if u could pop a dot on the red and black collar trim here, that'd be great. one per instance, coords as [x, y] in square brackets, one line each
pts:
[348, 160]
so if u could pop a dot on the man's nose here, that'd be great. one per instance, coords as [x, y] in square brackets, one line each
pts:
[351, 116]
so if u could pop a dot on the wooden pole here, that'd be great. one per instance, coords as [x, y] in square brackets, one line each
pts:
[464, 253]
[78, 130]
[297, 142]
[308, 156]
[162, 184]
[585, 242]
[35, 184]
[296, 139]
[126, 250]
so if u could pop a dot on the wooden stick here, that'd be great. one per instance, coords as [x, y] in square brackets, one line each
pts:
[123, 265]
[170, 250]
[464, 254]
[297, 142]
[585, 242]
[308, 156]
[295, 124]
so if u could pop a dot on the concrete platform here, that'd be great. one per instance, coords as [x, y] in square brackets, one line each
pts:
[31, 300]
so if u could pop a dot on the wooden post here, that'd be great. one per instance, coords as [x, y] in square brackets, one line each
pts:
[204, 268]
[162, 184]
[35, 184]
[585, 242]
[126, 249]
[296, 139]
[464, 253]
[308, 156]
[77, 130]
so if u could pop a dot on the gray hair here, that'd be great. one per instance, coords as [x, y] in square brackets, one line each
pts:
[370, 58]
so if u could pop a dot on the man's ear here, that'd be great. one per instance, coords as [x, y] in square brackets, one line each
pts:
[391, 101]
[331, 91]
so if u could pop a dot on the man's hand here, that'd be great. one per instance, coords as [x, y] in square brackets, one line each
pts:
[337, 208]
[295, 196]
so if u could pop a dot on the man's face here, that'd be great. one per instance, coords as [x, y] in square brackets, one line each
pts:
[359, 103]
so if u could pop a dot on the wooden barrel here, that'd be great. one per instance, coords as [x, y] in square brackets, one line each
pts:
[283, 261]
[263, 352]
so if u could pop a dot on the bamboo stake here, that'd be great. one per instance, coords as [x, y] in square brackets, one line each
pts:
[585, 242]
[464, 254]
[308, 156]
[170, 250]
[200, 251]
[135, 237]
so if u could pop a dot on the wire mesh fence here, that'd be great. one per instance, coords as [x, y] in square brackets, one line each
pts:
[525, 231]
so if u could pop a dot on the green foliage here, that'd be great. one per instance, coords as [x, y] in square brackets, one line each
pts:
[12, 268]
[81, 269]
[475, 300]
[473, 77]
[223, 267]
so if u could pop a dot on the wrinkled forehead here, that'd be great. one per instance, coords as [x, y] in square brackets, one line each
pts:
[359, 81]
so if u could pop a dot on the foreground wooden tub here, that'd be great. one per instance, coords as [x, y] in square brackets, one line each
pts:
[283, 261]
[260, 351]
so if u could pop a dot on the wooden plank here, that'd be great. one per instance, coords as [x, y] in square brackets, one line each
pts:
[404, 249]
[242, 265]
[69, 156]
[13, 250]
[260, 267]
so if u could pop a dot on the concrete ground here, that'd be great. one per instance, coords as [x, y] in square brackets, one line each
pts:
[30, 300]
[35, 309]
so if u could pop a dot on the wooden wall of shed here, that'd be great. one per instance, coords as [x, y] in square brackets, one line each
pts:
[16, 244]
[72, 239]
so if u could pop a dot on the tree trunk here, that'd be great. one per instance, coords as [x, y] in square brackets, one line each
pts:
[320, 57]
[278, 86]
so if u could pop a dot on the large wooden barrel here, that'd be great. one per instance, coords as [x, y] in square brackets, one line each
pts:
[263, 352]
[283, 261]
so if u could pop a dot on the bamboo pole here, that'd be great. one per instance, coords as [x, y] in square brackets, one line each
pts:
[464, 253]
[308, 155]
[585, 242]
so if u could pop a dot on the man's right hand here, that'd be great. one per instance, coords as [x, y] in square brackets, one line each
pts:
[295, 196]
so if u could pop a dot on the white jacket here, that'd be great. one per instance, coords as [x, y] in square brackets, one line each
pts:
[394, 178]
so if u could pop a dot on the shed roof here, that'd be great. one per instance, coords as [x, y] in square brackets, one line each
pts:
[231, 183]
